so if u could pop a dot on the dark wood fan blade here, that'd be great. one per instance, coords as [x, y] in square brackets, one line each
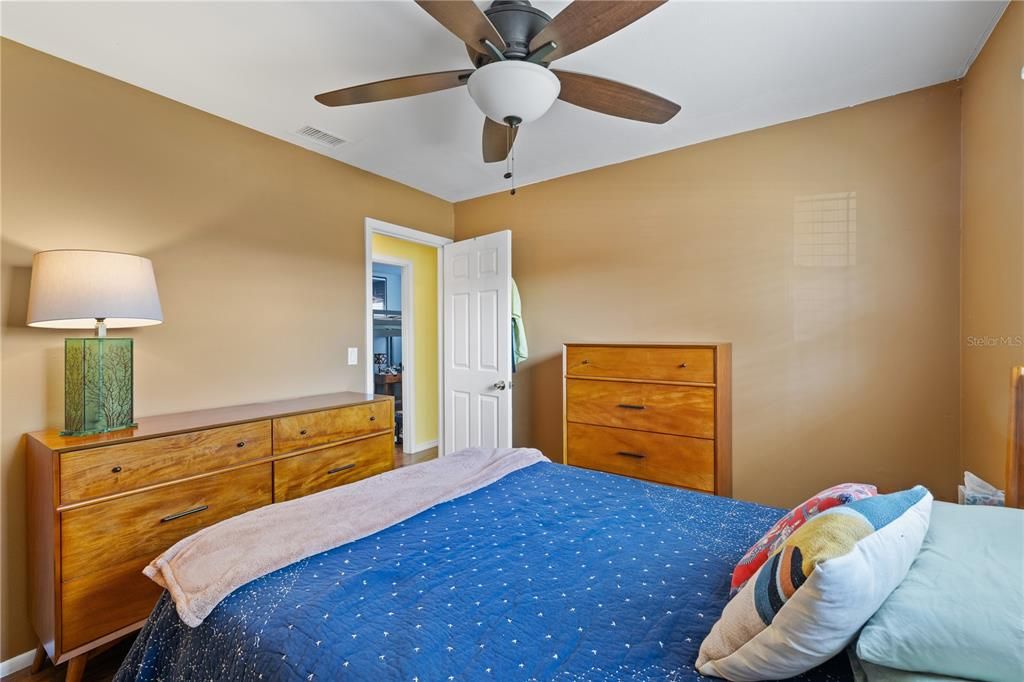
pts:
[498, 140]
[393, 88]
[614, 99]
[465, 20]
[585, 22]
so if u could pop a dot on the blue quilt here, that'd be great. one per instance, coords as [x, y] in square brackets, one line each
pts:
[551, 573]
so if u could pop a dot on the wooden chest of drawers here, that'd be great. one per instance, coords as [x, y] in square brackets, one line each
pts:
[102, 507]
[660, 412]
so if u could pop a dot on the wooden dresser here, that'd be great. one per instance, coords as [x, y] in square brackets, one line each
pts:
[660, 412]
[102, 507]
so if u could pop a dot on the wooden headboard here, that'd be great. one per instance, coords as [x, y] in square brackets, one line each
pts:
[1015, 446]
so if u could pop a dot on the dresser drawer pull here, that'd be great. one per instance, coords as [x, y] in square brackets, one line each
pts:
[302, 432]
[682, 365]
[585, 362]
[116, 470]
[240, 444]
[344, 467]
[627, 406]
[187, 512]
[373, 418]
[634, 455]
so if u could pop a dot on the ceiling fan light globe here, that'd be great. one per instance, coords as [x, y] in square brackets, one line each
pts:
[513, 89]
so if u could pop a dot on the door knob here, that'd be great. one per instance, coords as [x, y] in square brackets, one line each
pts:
[499, 385]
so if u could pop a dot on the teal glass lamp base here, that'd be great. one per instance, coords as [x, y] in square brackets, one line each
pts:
[98, 386]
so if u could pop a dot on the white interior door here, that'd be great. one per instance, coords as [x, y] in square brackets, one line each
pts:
[478, 343]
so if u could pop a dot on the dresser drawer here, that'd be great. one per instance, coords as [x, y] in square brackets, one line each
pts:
[87, 474]
[140, 526]
[316, 428]
[100, 603]
[675, 460]
[680, 410]
[322, 469]
[648, 363]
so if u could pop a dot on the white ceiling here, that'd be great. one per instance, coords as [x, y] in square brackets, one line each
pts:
[732, 66]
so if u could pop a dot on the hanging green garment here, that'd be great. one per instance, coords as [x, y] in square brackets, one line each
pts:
[520, 351]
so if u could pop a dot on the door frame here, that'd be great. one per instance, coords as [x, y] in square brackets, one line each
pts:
[371, 227]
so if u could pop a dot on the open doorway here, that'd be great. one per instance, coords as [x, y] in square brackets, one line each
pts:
[456, 326]
[391, 297]
[403, 333]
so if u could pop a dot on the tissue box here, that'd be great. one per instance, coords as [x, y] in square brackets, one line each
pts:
[977, 491]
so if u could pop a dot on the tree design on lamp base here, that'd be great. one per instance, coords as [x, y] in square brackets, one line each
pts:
[97, 386]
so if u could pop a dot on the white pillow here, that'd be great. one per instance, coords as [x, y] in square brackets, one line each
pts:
[807, 602]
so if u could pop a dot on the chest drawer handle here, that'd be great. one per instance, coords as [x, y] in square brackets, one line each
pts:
[682, 365]
[627, 406]
[116, 470]
[373, 418]
[345, 467]
[634, 455]
[187, 512]
[302, 432]
[585, 362]
[240, 444]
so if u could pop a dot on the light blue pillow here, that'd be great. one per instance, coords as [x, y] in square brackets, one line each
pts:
[960, 610]
[869, 672]
[879, 673]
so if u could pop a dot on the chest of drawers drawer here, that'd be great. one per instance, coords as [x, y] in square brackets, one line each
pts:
[651, 363]
[97, 472]
[680, 410]
[300, 431]
[675, 460]
[329, 467]
[104, 602]
[143, 524]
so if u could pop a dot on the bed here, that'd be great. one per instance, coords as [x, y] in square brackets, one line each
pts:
[550, 573]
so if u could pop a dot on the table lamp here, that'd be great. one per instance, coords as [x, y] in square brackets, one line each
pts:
[74, 289]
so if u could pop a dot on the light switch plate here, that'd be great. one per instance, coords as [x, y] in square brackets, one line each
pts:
[353, 356]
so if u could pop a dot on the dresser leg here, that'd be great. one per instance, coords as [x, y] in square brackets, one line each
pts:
[76, 668]
[39, 661]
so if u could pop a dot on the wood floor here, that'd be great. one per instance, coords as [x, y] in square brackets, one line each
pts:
[103, 667]
[404, 460]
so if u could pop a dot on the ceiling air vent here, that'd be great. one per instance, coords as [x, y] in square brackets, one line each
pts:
[320, 137]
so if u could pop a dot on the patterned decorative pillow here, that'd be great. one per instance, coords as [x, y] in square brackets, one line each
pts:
[844, 493]
[807, 602]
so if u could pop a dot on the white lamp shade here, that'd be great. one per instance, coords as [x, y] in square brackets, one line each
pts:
[72, 289]
[512, 88]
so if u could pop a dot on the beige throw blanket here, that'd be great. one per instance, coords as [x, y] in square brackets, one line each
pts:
[206, 567]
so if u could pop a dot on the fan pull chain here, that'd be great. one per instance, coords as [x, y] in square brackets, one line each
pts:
[510, 159]
[511, 174]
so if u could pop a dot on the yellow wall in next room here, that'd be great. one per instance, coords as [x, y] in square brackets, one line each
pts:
[425, 350]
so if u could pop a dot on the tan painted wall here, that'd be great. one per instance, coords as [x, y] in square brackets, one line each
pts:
[993, 244]
[257, 245]
[841, 373]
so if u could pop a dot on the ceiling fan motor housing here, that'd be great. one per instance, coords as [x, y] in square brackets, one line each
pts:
[517, 22]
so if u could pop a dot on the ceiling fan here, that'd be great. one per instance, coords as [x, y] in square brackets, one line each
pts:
[511, 45]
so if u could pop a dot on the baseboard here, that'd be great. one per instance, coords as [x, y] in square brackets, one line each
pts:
[420, 447]
[19, 662]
